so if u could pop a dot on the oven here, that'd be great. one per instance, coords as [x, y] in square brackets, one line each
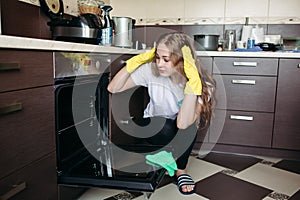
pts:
[85, 154]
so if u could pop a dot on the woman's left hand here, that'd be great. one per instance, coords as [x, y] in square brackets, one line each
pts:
[194, 84]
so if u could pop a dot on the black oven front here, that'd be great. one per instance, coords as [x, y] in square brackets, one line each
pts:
[85, 155]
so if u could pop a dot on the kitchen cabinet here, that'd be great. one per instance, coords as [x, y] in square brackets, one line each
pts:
[286, 128]
[208, 12]
[248, 106]
[130, 8]
[287, 8]
[284, 12]
[25, 20]
[150, 12]
[204, 12]
[27, 124]
[246, 8]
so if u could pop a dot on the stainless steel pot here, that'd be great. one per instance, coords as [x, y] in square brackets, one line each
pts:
[123, 28]
[206, 42]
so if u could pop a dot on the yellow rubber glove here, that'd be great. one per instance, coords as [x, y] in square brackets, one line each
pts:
[134, 62]
[194, 84]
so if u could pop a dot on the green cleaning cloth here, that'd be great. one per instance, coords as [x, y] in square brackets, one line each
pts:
[163, 159]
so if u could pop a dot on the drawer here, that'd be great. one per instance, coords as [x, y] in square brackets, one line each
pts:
[27, 128]
[242, 128]
[249, 93]
[35, 181]
[242, 66]
[25, 69]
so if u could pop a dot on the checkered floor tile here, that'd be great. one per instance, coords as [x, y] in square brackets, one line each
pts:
[220, 176]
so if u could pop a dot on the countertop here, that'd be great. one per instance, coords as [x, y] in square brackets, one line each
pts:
[51, 45]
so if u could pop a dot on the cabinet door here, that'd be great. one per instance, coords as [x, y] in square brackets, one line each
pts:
[203, 11]
[27, 127]
[249, 93]
[130, 8]
[287, 128]
[25, 69]
[242, 128]
[287, 8]
[246, 8]
[35, 181]
[245, 66]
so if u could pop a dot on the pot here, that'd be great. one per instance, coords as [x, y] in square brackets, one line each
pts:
[123, 31]
[206, 42]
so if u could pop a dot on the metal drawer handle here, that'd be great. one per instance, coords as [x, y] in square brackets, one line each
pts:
[245, 64]
[15, 190]
[9, 66]
[239, 117]
[248, 82]
[124, 121]
[299, 65]
[10, 108]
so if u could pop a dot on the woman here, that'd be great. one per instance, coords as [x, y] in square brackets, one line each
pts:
[178, 91]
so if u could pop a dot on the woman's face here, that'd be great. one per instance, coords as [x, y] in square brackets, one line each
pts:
[163, 61]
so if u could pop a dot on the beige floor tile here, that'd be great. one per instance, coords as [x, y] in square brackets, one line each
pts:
[171, 192]
[200, 169]
[273, 178]
[98, 194]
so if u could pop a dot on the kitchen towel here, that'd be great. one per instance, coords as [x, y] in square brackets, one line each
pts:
[164, 159]
[255, 49]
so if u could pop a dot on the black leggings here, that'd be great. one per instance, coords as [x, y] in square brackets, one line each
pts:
[167, 134]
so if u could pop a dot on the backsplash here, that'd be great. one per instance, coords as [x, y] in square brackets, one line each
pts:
[149, 34]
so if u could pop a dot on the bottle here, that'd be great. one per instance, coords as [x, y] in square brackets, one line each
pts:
[106, 36]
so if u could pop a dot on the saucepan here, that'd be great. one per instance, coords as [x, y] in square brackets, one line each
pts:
[205, 42]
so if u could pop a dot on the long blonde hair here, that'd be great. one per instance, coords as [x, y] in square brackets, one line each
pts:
[174, 42]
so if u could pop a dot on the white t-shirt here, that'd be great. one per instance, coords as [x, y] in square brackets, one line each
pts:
[165, 96]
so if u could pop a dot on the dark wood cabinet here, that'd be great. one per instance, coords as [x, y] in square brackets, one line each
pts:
[286, 129]
[245, 94]
[27, 125]
[249, 93]
[243, 128]
[23, 19]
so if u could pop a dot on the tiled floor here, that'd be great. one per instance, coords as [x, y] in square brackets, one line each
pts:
[220, 176]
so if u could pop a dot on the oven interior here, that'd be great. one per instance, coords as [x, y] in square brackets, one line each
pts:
[85, 155]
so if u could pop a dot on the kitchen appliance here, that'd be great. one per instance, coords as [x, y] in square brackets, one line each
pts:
[266, 46]
[84, 28]
[230, 40]
[206, 42]
[123, 31]
[86, 157]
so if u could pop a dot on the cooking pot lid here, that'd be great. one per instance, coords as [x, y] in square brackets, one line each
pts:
[53, 8]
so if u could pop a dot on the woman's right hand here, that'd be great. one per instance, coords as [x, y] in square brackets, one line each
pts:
[136, 61]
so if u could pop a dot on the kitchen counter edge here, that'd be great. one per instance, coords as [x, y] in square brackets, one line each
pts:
[16, 42]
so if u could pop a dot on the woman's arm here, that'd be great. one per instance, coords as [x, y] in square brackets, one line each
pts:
[121, 82]
[189, 111]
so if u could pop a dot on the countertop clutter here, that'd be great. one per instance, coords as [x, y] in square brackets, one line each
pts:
[51, 45]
